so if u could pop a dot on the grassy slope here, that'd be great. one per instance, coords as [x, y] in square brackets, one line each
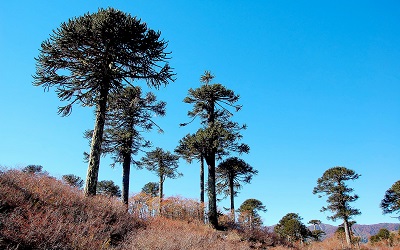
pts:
[40, 212]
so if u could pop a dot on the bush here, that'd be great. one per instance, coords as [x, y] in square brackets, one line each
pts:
[40, 212]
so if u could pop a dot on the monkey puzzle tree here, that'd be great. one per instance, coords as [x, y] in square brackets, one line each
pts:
[33, 169]
[316, 234]
[73, 180]
[391, 200]
[164, 164]
[90, 56]
[151, 188]
[229, 174]
[332, 184]
[190, 147]
[210, 103]
[128, 113]
[108, 188]
[291, 228]
[249, 213]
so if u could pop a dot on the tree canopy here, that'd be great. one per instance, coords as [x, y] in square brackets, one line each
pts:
[73, 180]
[151, 188]
[249, 212]
[391, 200]
[92, 55]
[108, 188]
[291, 228]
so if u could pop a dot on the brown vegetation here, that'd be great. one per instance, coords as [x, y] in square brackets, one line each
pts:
[40, 212]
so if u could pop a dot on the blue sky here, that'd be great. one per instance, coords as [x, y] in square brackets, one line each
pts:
[319, 83]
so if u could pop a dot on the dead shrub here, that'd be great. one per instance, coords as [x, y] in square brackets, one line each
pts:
[40, 212]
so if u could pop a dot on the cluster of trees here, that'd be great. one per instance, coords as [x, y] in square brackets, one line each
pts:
[95, 60]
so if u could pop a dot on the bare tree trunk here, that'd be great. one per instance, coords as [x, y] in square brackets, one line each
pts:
[126, 168]
[212, 196]
[160, 194]
[210, 159]
[97, 138]
[232, 194]
[347, 232]
[202, 187]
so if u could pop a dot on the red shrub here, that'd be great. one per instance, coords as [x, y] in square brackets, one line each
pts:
[40, 212]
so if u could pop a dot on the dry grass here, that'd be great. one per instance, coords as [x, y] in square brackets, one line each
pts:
[163, 233]
[39, 212]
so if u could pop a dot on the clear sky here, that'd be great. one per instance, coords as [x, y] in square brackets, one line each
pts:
[319, 83]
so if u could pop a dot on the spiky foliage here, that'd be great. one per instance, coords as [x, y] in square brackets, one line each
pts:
[332, 184]
[210, 103]
[90, 56]
[230, 173]
[248, 213]
[164, 164]
[391, 200]
[73, 180]
[291, 228]
[191, 147]
[108, 188]
[128, 114]
[151, 188]
[33, 169]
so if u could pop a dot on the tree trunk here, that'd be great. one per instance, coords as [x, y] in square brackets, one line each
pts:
[160, 194]
[232, 194]
[210, 159]
[202, 187]
[97, 138]
[212, 196]
[347, 232]
[126, 169]
[202, 179]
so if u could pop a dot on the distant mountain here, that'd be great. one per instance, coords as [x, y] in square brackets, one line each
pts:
[364, 231]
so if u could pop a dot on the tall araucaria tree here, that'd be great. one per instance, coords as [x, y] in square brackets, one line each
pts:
[128, 113]
[391, 200]
[229, 174]
[211, 103]
[332, 184]
[164, 164]
[90, 56]
[191, 147]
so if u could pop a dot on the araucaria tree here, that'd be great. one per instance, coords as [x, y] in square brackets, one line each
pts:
[229, 174]
[128, 114]
[332, 184]
[73, 180]
[248, 213]
[164, 164]
[108, 188]
[391, 200]
[151, 188]
[291, 228]
[191, 147]
[211, 103]
[91, 56]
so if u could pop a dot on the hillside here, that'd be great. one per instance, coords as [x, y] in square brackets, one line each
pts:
[41, 212]
[38, 211]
